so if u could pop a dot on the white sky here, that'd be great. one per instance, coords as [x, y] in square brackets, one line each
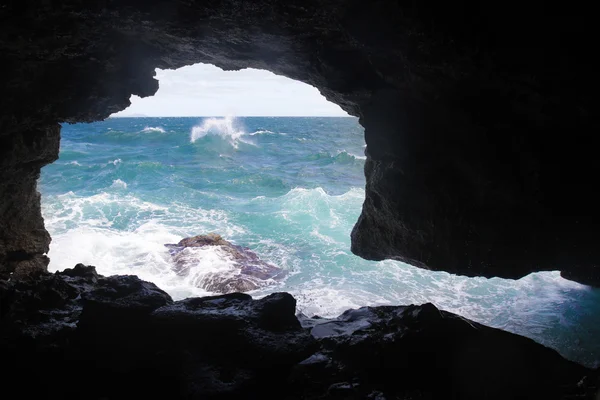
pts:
[205, 90]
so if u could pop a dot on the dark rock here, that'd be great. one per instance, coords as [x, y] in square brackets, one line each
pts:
[211, 239]
[23, 238]
[80, 335]
[129, 335]
[81, 271]
[420, 352]
[247, 272]
[125, 292]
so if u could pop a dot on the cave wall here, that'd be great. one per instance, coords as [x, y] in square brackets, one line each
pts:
[23, 238]
[479, 118]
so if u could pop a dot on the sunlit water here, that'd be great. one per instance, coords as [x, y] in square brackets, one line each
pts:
[291, 190]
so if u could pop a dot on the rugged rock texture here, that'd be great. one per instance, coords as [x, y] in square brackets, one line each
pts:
[76, 334]
[23, 238]
[478, 116]
[246, 270]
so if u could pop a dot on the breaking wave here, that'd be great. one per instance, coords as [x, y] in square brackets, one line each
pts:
[153, 129]
[224, 128]
[340, 157]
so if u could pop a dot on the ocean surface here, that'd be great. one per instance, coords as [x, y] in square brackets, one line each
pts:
[291, 190]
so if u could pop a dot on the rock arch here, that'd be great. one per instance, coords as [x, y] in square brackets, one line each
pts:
[479, 119]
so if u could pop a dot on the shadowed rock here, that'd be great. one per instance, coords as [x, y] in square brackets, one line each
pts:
[243, 271]
[79, 335]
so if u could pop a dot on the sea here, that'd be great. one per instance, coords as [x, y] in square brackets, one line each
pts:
[290, 189]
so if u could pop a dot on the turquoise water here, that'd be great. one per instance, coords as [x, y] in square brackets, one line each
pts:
[291, 190]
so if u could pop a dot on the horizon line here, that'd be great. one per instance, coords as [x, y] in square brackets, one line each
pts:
[231, 116]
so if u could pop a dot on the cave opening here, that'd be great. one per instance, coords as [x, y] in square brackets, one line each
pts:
[286, 185]
[479, 163]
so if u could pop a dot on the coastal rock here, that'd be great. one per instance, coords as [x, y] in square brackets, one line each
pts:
[23, 239]
[70, 330]
[421, 352]
[245, 270]
[77, 334]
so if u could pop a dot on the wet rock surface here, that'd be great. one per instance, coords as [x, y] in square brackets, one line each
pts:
[77, 334]
[246, 270]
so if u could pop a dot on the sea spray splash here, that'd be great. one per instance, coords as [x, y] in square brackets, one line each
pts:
[225, 128]
[293, 199]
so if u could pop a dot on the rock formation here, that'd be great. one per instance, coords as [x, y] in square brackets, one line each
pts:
[76, 334]
[246, 271]
[478, 117]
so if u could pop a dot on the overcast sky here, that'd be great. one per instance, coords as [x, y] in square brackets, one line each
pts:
[205, 90]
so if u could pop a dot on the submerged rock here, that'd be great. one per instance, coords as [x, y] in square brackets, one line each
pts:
[76, 334]
[242, 271]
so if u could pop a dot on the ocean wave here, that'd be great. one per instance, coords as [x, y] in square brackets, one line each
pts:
[266, 132]
[224, 128]
[153, 129]
[119, 184]
[340, 157]
[74, 163]
[122, 234]
[115, 162]
[261, 132]
[67, 210]
[112, 251]
[299, 193]
[344, 153]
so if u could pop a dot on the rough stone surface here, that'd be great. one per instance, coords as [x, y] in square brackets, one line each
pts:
[76, 334]
[23, 238]
[421, 352]
[247, 271]
[479, 117]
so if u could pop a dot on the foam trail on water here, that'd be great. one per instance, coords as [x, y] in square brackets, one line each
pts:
[357, 157]
[153, 129]
[266, 132]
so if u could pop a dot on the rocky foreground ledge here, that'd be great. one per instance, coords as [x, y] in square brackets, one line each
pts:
[78, 335]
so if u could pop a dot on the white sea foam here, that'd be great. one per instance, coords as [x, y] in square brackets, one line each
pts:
[119, 184]
[343, 153]
[74, 163]
[222, 127]
[115, 162]
[363, 157]
[266, 132]
[261, 132]
[206, 263]
[125, 235]
[153, 129]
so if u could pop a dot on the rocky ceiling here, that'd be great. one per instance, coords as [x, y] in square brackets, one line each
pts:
[479, 118]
